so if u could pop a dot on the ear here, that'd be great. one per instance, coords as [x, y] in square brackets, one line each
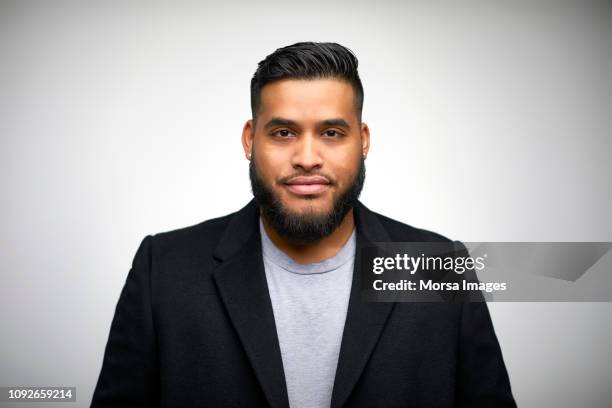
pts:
[248, 136]
[365, 139]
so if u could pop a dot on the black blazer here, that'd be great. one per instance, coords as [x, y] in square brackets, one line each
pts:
[194, 327]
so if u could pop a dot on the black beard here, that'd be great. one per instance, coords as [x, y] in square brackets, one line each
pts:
[308, 228]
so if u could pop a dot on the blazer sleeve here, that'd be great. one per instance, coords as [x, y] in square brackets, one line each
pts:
[482, 378]
[130, 374]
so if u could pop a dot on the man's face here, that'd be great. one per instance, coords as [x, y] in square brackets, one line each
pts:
[307, 164]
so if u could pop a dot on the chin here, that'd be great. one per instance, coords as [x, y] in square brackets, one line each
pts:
[307, 206]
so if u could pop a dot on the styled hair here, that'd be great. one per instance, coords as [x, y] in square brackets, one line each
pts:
[307, 60]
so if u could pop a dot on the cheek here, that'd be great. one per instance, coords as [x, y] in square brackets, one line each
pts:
[271, 174]
[346, 169]
[272, 164]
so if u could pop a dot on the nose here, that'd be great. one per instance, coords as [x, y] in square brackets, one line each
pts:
[307, 153]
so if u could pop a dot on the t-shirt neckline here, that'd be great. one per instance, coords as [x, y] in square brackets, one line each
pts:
[275, 255]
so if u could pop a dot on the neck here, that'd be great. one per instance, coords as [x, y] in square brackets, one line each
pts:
[318, 251]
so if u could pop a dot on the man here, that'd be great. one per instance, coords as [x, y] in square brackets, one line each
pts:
[261, 307]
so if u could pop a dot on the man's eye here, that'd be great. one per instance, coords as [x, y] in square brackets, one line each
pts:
[332, 133]
[283, 132]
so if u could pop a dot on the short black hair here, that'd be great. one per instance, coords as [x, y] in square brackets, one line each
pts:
[307, 60]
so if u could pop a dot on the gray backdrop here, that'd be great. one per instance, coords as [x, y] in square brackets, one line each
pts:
[121, 119]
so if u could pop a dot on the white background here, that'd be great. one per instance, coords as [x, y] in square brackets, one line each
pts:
[490, 121]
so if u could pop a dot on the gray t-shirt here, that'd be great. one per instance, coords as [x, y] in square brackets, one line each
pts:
[309, 303]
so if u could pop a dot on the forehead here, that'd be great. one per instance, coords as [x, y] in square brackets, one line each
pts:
[306, 97]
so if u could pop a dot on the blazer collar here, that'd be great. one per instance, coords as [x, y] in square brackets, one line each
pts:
[240, 278]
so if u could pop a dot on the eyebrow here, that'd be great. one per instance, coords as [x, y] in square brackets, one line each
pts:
[277, 121]
[339, 122]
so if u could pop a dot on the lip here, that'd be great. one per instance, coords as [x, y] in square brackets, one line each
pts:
[307, 189]
[308, 180]
[308, 185]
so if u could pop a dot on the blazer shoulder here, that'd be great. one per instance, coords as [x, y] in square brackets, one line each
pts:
[399, 231]
[197, 237]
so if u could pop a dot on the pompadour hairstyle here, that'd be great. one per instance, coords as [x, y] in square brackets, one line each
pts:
[307, 60]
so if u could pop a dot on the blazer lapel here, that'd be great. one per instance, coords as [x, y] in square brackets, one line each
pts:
[241, 280]
[364, 321]
[242, 285]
